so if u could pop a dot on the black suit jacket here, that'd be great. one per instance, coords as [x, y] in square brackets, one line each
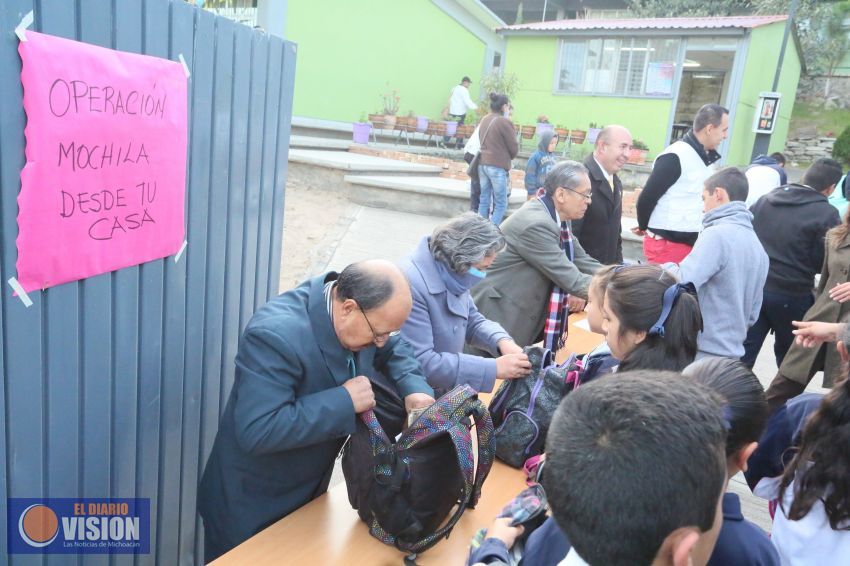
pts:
[599, 232]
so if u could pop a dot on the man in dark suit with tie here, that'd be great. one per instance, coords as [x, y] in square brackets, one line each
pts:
[301, 379]
[599, 232]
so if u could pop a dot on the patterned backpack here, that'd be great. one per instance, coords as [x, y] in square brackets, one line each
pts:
[522, 408]
[404, 489]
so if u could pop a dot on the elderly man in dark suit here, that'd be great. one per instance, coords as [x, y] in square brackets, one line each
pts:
[599, 231]
[541, 264]
[301, 378]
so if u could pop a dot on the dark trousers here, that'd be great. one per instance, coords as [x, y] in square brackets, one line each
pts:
[777, 312]
[459, 119]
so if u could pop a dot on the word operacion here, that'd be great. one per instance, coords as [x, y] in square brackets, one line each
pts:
[78, 96]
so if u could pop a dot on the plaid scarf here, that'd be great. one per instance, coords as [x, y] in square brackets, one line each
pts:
[555, 326]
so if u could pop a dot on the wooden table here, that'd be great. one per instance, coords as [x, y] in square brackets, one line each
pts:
[327, 531]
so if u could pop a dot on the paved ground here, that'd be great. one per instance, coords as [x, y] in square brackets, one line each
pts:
[323, 231]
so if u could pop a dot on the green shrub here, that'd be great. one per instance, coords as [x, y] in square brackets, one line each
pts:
[841, 149]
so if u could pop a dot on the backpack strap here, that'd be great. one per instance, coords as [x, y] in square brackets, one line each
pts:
[455, 407]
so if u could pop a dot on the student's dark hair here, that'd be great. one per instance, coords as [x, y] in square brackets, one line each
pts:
[709, 114]
[369, 288]
[822, 174]
[635, 296]
[731, 179]
[778, 157]
[820, 469]
[497, 101]
[630, 460]
[744, 402]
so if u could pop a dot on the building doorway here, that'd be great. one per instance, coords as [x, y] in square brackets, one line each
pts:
[706, 75]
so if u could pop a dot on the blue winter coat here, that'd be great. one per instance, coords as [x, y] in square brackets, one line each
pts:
[441, 323]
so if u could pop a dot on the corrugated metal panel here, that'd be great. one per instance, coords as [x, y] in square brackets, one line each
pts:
[741, 22]
[113, 386]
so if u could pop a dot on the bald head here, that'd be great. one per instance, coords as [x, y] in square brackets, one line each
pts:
[372, 300]
[612, 148]
[371, 283]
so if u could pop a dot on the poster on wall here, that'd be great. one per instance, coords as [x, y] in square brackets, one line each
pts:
[105, 177]
[659, 79]
[767, 112]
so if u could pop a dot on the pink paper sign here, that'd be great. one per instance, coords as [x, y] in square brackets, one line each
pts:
[105, 178]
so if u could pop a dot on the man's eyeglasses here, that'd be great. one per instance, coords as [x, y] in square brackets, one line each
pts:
[585, 196]
[375, 336]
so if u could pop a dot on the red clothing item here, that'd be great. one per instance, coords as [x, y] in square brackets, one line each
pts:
[663, 251]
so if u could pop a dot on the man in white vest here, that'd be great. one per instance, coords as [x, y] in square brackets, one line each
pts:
[669, 209]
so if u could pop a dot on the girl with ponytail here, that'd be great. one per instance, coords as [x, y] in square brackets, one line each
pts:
[651, 321]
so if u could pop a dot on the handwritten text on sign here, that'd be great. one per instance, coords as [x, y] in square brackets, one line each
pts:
[104, 182]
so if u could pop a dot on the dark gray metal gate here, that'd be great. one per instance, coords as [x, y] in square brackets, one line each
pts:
[113, 386]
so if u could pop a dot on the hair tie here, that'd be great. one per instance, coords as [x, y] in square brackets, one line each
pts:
[671, 294]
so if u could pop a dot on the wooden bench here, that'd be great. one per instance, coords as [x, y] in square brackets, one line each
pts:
[327, 531]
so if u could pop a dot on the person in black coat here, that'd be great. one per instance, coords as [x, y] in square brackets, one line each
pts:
[791, 221]
[599, 230]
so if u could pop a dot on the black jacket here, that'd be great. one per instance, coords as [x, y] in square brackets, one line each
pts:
[791, 222]
[599, 232]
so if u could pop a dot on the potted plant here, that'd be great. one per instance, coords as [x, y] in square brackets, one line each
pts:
[421, 123]
[528, 132]
[361, 130]
[407, 123]
[637, 155]
[578, 136]
[389, 101]
[593, 132]
[377, 120]
[543, 124]
[562, 133]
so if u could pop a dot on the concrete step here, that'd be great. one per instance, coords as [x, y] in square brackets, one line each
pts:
[328, 168]
[312, 142]
[434, 196]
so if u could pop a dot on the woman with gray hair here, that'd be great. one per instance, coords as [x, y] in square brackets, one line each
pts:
[441, 271]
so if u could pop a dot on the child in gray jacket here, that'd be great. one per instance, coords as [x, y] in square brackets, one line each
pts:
[728, 266]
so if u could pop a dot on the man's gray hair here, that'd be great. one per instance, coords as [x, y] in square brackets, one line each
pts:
[565, 174]
[709, 114]
[464, 241]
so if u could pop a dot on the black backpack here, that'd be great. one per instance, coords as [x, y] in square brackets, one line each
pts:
[404, 484]
[522, 408]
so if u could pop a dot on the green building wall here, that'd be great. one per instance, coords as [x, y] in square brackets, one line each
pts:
[759, 70]
[533, 58]
[349, 52]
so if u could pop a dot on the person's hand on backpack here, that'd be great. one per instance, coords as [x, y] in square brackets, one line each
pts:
[512, 366]
[360, 390]
[417, 401]
[508, 346]
[502, 530]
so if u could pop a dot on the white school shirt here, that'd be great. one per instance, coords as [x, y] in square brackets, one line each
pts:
[573, 559]
[809, 541]
[460, 101]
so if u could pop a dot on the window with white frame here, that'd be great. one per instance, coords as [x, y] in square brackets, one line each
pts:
[626, 66]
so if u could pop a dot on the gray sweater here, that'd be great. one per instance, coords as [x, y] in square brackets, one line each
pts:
[728, 266]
